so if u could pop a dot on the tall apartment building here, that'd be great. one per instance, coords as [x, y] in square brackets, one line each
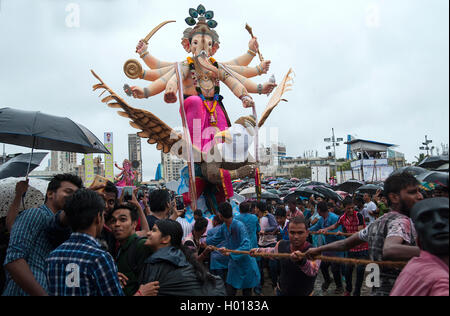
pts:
[135, 153]
[64, 162]
[171, 167]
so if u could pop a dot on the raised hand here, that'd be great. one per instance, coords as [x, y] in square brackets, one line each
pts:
[21, 187]
[253, 44]
[312, 253]
[247, 101]
[170, 96]
[265, 65]
[137, 92]
[268, 87]
[141, 47]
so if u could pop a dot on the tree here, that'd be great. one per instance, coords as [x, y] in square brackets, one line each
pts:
[421, 157]
[301, 172]
[346, 166]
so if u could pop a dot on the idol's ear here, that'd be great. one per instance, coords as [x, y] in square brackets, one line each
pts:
[214, 48]
[186, 45]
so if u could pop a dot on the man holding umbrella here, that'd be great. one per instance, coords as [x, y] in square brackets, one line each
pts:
[29, 244]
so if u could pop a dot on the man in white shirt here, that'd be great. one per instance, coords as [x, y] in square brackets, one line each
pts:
[369, 210]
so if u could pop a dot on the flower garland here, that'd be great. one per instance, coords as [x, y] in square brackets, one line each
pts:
[212, 110]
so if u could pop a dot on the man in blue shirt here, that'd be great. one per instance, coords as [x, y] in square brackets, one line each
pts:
[328, 219]
[29, 244]
[79, 267]
[243, 272]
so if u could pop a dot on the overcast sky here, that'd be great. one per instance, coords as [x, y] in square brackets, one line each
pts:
[375, 69]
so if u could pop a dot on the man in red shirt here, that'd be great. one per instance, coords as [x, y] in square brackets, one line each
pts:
[427, 275]
[352, 222]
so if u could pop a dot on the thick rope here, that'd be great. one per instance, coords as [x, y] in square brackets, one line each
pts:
[332, 234]
[389, 264]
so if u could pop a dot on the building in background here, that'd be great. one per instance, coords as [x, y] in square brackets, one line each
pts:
[98, 168]
[288, 164]
[63, 162]
[270, 157]
[135, 154]
[171, 167]
[373, 161]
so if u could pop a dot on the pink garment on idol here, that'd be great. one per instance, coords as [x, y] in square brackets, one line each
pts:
[126, 179]
[198, 121]
[426, 275]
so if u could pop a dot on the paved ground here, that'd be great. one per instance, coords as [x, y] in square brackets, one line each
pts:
[268, 291]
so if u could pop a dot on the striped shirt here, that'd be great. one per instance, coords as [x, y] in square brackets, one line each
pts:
[79, 267]
[28, 241]
[310, 268]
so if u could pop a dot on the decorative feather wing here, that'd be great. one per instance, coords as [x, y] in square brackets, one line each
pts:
[283, 87]
[151, 127]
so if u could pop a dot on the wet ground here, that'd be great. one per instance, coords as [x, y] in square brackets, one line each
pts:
[268, 291]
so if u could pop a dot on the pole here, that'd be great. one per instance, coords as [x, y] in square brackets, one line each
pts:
[334, 147]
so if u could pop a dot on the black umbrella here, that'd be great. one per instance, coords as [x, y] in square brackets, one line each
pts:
[42, 131]
[436, 177]
[304, 192]
[312, 183]
[433, 162]
[410, 169]
[369, 188]
[328, 193]
[267, 196]
[18, 166]
[350, 186]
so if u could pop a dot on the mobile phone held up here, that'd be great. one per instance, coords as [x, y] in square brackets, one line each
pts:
[127, 193]
[179, 202]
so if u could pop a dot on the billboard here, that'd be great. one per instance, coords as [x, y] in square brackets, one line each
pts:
[109, 165]
[88, 169]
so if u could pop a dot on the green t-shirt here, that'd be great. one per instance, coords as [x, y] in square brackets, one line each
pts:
[383, 208]
[131, 256]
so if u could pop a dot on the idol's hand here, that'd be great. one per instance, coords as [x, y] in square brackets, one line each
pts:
[247, 101]
[137, 92]
[253, 44]
[265, 65]
[141, 47]
[268, 87]
[170, 96]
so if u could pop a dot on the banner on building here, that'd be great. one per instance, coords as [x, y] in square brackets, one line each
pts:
[109, 159]
[88, 169]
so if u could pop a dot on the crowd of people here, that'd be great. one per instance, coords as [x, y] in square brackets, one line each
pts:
[91, 241]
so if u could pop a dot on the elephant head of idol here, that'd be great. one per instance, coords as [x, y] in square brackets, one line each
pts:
[202, 41]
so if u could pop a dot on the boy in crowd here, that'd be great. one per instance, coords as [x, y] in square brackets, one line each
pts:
[283, 223]
[29, 244]
[298, 274]
[162, 206]
[243, 272]
[132, 252]
[352, 222]
[328, 219]
[79, 267]
[267, 239]
[218, 264]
